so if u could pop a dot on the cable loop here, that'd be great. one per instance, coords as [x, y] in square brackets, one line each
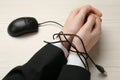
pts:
[84, 54]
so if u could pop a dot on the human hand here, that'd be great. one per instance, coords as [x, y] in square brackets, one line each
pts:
[89, 33]
[76, 20]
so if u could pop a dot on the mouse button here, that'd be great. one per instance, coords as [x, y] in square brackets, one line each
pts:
[32, 23]
[19, 23]
[16, 25]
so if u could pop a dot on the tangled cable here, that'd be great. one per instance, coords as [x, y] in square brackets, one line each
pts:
[84, 54]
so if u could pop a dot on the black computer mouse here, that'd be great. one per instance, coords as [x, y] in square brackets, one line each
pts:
[22, 26]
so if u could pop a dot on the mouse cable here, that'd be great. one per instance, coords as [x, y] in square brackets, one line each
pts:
[50, 22]
[100, 68]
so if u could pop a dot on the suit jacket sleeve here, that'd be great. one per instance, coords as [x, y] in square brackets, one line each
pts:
[70, 72]
[45, 64]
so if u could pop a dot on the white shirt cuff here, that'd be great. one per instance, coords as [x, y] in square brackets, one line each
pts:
[59, 45]
[73, 59]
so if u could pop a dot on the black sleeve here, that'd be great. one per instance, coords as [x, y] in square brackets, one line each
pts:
[70, 72]
[45, 64]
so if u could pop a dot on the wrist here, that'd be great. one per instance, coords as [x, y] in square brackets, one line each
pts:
[78, 44]
[66, 44]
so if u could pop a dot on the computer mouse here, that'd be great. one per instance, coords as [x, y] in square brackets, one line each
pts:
[22, 26]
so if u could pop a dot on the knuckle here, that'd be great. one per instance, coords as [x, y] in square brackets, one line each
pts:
[92, 17]
[87, 7]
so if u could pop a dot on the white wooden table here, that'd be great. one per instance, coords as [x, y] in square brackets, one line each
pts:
[17, 51]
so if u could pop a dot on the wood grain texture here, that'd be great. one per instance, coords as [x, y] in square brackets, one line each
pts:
[17, 51]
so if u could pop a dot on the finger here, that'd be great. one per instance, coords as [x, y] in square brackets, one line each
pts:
[96, 11]
[85, 10]
[80, 17]
[90, 22]
[98, 17]
[83, 13]
[97, 27]
[74, 13]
